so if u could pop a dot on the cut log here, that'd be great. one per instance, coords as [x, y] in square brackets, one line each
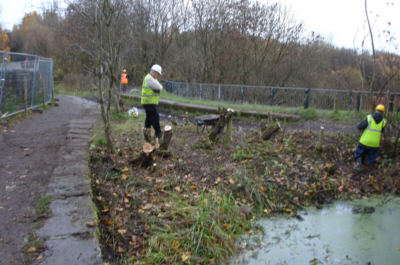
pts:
[269, 130]
[167, 137]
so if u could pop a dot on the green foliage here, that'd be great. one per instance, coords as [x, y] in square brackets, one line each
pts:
[119, 116]
[241, 154]
[201, 230]
[204, 143]
[308, 114]
[100, 142]
[42, 208]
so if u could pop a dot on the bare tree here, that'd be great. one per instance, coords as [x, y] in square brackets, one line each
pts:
[97, 38]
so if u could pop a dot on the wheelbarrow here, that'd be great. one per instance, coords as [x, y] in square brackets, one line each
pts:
[205, 122]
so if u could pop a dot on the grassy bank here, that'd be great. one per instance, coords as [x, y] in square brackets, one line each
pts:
[340, 116]
[193, 205]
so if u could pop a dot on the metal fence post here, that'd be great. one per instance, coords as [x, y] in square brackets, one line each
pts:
[358, 101]
[351, 100]
[242, 91]
[391, 100]
[51, 84]
[219, 92]
[201, 91]
[272, 96]
[2, 76]
[307, 98]
[187, 90]
[26, 94]
[42, 77]
[35, 66]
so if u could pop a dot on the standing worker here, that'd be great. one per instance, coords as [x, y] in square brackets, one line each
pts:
[372, 126]
[151, 89]
[124, 80]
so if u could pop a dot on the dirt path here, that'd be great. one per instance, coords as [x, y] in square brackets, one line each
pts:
[29, 152]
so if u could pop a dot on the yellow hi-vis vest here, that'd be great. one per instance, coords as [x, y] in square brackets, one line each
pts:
[371, 136]
[148, 95]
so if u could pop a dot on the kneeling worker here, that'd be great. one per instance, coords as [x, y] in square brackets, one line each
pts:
[151, 89]
[372, 126]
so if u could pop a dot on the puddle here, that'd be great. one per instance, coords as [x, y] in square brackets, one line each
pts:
[333, 235]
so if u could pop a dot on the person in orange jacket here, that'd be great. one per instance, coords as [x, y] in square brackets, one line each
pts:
[124, 80]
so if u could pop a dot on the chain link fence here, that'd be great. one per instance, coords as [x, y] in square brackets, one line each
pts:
[317, 98]
[26, 82]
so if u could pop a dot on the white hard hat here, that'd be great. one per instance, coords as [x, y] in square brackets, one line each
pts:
[156, 68]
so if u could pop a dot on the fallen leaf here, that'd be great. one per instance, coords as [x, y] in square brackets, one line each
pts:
[31, 250]
[125, 169]
[185, 256]
[120, 250]
[226, 226]
[40, 257]
[124, 177]
[122, 231]
[147, 206]
[108, 222]
[90, 224]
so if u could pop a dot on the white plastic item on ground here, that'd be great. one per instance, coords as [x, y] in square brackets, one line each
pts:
[133, 112]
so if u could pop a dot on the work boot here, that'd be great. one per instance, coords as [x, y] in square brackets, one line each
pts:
[147, 134]
[372, 168]
[358, 165]
[157, 145]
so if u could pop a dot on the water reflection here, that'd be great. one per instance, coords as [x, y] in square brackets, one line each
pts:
[333, 235]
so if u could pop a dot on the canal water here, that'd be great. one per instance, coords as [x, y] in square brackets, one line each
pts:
[337, 234]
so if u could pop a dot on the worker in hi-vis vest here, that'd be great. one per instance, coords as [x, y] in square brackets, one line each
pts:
[124, 80]
[372, 126]
[151, 89]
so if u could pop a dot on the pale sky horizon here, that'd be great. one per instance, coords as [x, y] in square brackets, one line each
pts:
[340, 22]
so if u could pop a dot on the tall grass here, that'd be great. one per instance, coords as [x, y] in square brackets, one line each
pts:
[196, 231]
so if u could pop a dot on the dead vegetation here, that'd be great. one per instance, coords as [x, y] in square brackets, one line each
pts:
[192, 206]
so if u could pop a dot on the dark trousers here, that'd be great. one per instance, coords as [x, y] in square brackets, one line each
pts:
[362, 150]
[152, 118]
[124, 87]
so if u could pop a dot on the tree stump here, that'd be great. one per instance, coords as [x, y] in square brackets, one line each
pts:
[319, 146]
[224, 117]
[269, 130]
[145, 159]
[167, 138]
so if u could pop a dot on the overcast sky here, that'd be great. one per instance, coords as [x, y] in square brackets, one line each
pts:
[340, 22]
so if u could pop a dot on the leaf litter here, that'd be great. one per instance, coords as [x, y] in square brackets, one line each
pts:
[146, 214]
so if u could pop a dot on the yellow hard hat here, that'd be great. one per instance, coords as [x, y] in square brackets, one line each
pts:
[124, 70]
[380, 107]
